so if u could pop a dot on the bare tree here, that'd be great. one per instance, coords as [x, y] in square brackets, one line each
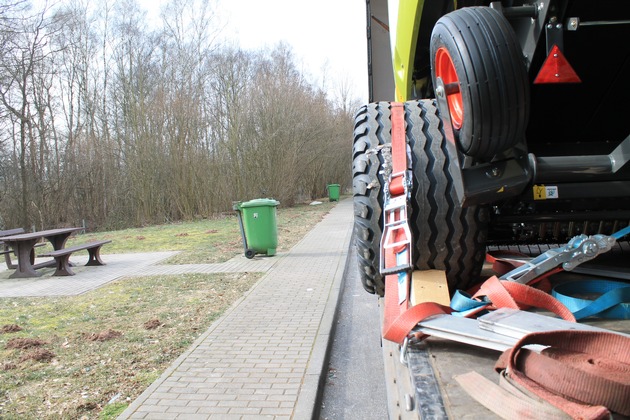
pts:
[23, 60]
[120, 124]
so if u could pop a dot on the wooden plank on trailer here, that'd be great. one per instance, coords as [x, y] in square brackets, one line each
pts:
[429, 286]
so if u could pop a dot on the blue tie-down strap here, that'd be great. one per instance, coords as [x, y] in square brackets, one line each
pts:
[463, 304]
[623, 232]
[612, 299]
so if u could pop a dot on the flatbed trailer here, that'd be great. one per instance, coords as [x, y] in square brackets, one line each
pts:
[422, 384]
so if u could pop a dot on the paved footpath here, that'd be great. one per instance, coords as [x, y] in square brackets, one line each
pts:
[266, 356]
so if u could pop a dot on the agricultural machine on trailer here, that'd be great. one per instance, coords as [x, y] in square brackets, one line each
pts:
[515, 124]
[493, 124]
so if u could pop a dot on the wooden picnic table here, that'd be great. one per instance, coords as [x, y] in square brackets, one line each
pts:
[7, 251]
[24, 244]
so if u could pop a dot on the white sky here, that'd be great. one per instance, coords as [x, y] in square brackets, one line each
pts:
[324, 34]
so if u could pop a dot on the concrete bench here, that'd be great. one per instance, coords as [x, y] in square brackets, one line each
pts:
[62, 256]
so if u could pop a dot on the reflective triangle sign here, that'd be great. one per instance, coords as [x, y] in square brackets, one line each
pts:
[556, 69]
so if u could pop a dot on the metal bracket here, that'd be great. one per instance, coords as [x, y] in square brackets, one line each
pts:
[403, 351]
[480, 183]
[554, 34]
[516, 12]
[621, 155]
[574, 23]
[445, 114]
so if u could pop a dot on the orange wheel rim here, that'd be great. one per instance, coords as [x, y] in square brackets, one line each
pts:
[445, 69]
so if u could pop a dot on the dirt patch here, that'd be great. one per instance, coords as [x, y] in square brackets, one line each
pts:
[89, 406]
[103, 335]
[24, 343]
[39, 355]
[152, 324]
[10, 328]
[83, 371]
[182, 234]
[8, 366]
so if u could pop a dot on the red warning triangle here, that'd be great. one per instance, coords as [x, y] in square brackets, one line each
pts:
[556, 69]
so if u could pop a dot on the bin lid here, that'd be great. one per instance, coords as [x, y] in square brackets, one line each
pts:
[332, 185]
[260, 202]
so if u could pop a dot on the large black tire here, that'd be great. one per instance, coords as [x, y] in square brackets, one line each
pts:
[372, 128]
[476, 48]
[446, 236]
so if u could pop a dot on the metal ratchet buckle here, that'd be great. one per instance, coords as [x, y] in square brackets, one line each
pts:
[394, 221]
[578, 250]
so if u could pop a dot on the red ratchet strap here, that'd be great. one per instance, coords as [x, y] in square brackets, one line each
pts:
[505, 261]
[396, 233]
[507, 294]
[398, 319]
[399, 149]
[583, 373]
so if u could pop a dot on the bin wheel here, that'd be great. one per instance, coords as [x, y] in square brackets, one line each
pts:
[477, 55]
[371, 129]
[250, 253]
[446, 236]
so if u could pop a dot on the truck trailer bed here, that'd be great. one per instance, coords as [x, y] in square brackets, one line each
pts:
[426, 387]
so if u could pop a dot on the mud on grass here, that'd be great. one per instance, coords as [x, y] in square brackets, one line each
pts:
[89, 356]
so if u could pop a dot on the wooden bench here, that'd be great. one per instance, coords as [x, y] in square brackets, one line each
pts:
[62, 256]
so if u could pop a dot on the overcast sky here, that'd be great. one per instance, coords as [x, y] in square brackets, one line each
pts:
[324, 34]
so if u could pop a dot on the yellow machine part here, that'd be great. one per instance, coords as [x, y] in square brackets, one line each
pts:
[404, 18]
[405, 14]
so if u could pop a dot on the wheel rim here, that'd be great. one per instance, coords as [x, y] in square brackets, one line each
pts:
[445, 69]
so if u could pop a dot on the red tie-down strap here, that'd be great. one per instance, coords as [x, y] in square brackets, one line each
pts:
[584, 373]
[399, 160]
[505, 261]
[399, 149]
[398, 318]
[508, 294]
[396, 233]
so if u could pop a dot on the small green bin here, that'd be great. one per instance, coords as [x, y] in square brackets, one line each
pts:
[333, 192]
[258, 226]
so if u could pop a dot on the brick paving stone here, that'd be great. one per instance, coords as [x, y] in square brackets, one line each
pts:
[259, 352]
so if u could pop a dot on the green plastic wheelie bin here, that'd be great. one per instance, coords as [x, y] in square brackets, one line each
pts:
[333, 192]
[259, 228]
